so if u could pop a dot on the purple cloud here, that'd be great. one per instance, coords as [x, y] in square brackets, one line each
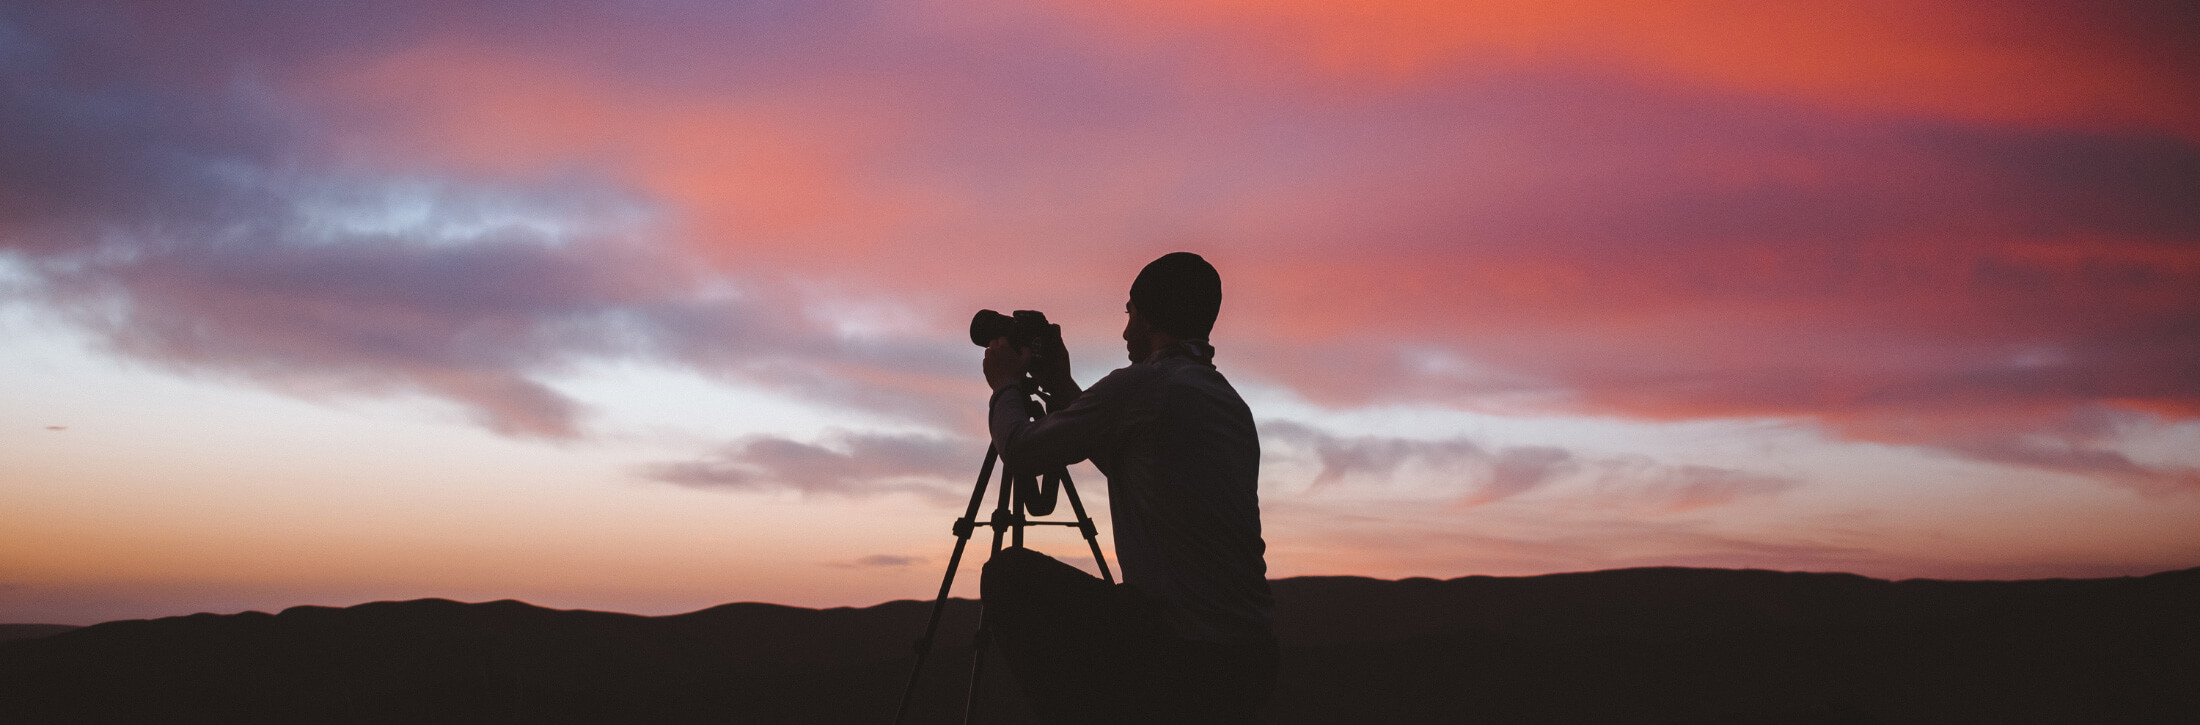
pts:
[846, 464]
[1488, 475]
[1518, 469]
[1373, 456]
[180, 182]
[2078, 457]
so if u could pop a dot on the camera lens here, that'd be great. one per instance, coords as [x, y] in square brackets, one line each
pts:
[987, 325]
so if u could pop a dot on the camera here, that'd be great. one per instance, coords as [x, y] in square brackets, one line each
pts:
[1022, 329]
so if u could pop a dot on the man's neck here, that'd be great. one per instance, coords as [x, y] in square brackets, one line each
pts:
[1196, 350]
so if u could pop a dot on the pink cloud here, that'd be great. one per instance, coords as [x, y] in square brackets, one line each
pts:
[851, 464]
[1480, 475]
[1862, 216]
[2093, 65]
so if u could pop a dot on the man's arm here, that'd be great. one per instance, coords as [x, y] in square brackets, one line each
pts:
[1068, 435]
[1051, 370]
[1049, 367]
[1079, 423]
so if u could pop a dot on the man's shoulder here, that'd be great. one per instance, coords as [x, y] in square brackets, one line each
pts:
[1132, 374]
[1182, 370]
[1121, 384]
[1167, 377]
[1194, 383]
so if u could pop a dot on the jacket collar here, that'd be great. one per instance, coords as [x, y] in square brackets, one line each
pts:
[1197, 351]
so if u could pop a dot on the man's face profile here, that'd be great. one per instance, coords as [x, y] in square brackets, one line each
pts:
[1137, 335]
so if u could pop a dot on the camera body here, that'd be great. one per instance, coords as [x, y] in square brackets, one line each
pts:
[1025, 330]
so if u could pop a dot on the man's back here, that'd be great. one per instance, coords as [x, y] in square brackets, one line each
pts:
[1183, 486]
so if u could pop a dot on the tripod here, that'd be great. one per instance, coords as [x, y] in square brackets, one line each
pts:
[1021, 492]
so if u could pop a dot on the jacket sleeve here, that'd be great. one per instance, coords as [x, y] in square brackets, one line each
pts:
[1064, 437]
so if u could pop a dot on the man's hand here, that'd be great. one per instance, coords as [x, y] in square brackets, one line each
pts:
[1052, 369]
[1004, 365]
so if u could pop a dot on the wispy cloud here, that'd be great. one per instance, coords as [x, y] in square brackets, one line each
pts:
[1373, 456]
[1481, 475]
[1641, 481]
[845, 463]
[1557, 210]
[2090, 460]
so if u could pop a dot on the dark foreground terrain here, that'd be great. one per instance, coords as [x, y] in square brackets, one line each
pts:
[1636, 645]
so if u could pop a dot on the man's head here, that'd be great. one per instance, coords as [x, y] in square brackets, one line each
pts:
[1177, 296]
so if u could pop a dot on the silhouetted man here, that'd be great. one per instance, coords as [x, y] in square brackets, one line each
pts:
[1186, 637]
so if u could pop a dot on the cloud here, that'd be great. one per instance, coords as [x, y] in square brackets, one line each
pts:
[1698, 487]
[845, 464]
[1482, 476]
[193, 214]
[1693, 211]
[2077, 457]
[160, 212]
[1519, 469]
[1896, 272]
[1373, 456]
[468, 322]
[1640, 481]
[180, 223]
[1991, 62]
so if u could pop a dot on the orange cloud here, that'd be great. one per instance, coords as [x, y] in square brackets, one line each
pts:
[768, 175]
[1671, 211]
[2087, 64]
[2023, 353]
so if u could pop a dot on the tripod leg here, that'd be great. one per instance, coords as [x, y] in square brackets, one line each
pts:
[1004, 518]
[1084, 524]
[1004, 513]
[963, 528]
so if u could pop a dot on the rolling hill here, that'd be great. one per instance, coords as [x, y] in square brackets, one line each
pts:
[1634, 645]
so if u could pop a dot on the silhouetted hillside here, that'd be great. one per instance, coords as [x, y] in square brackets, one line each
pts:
[1637, 645]
[1706, 645]
[13, 632]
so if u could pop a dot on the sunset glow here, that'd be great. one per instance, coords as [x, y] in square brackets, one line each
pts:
[653, 306]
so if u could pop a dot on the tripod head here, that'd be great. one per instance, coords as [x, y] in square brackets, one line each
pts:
[1036, 491]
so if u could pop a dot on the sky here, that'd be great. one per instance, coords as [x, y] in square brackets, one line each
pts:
[649, 306]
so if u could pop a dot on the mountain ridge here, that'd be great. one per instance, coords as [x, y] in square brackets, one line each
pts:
[1651, 644]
